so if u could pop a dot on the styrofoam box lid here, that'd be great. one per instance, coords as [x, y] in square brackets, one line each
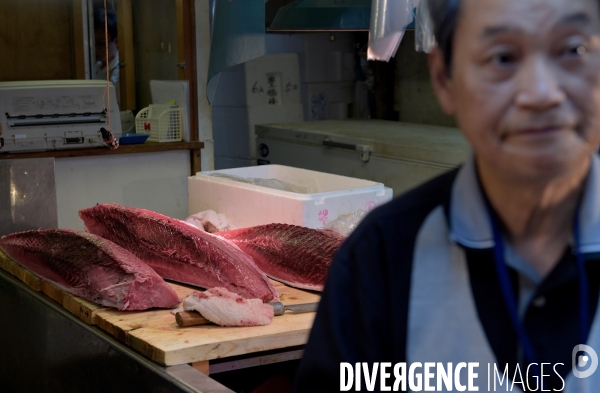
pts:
[323, 183]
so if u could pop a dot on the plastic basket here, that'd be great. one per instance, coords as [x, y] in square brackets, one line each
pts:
[167, 127]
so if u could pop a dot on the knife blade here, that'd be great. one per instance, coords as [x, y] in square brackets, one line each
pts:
[193, 318]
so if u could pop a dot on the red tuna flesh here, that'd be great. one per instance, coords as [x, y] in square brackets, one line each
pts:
[179, 251]
[225, 308]
[292, 254]
[90, 267]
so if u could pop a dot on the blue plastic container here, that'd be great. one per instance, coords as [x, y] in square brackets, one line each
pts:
[133, 138]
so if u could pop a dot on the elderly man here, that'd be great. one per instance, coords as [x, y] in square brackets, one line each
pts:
[491, 272]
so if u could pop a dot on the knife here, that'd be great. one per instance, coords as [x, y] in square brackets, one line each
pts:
[192, 318]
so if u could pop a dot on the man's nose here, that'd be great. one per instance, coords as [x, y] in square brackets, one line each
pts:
[538, 87]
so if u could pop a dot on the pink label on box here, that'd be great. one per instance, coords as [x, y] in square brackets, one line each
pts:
[323, 216]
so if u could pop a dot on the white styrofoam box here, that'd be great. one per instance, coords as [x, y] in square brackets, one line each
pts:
[328, 100]
[269, 80]
[233, 127]
[247, 205]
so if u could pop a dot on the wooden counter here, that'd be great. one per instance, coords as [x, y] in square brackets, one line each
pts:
[155, 334]
[147, 147]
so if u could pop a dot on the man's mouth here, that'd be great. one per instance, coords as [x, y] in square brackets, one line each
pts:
[542, 130]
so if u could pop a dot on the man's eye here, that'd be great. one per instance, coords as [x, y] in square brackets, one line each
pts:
[576, 50]
[574, 47]
[503, 58]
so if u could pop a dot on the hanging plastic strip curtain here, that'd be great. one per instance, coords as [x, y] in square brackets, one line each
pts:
[238, 35]
[424, 37]
[389, 19]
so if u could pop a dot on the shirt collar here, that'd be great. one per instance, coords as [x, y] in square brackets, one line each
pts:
[469, 222]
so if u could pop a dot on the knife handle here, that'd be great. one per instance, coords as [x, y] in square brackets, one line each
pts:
[190, 318]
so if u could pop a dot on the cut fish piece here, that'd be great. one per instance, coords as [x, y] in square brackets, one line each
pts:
[90, 267]
[225, 308]
[178, 251]
[210, 221]
[292, 254]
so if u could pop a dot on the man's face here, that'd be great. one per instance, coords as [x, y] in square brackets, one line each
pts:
[525, 84]
[100, 42]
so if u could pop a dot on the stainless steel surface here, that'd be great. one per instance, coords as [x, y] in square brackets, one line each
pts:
[196, 380]
[279, 308]
[27, 195]
[45, 349]
[302, 308]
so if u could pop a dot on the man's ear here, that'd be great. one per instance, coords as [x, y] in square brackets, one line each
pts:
[441, 81]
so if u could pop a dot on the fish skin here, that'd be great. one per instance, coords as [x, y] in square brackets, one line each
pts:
[179, 251]
[295, 255]
[90, 267]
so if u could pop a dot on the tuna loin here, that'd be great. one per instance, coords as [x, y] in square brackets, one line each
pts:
[179, 251]
[292, 254]
[225, 308]
[90, 267]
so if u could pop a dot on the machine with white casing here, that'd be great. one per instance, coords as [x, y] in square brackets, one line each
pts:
[52, 115]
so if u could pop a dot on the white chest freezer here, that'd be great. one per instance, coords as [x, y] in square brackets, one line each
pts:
[399, 155]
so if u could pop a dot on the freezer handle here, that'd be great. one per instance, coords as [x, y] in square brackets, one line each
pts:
[364, 150]
[339, 144]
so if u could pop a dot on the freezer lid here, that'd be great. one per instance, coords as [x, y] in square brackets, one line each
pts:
[383, 138]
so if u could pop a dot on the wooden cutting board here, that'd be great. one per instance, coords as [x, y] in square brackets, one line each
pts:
[155, 334]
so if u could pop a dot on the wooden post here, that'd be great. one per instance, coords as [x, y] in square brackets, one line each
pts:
[78, 52]
[202, 366]
[186, 56]
[126, 54]
[194, 161]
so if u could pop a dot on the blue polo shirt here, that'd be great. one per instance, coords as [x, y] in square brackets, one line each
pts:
[416, 282]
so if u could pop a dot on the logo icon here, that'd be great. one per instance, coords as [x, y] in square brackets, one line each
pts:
[582, 360]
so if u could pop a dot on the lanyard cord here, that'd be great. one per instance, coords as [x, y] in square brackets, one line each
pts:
[511, 301]
[584, 308]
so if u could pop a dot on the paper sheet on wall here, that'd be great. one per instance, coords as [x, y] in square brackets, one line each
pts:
[164, 91]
